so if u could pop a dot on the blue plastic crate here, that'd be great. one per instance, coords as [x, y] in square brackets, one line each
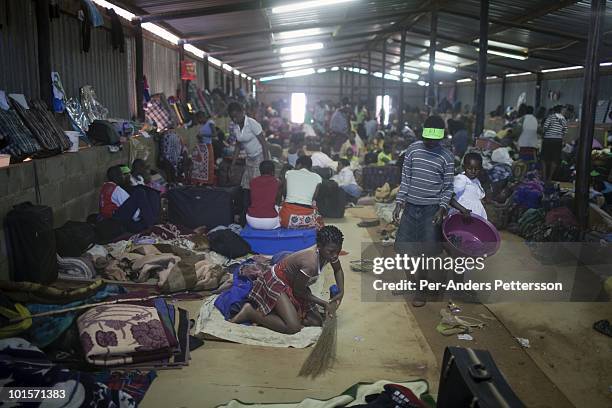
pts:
[270, 242]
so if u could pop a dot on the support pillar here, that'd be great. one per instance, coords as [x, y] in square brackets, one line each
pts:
[184, 83]
[138, 41]
[382, 81]
[369, 104]
[400, 111]
[589, 107]
[206, 73]
[43, 32]
[433, 37]
[503, 93]
[481, 84]
[538, 90]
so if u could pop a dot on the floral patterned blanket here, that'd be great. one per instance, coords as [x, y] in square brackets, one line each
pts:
[123, 334]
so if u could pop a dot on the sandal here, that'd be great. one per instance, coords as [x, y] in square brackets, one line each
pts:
[369, 223]
[603, 326]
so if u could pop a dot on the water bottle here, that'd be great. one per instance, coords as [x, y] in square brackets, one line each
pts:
[333, 291]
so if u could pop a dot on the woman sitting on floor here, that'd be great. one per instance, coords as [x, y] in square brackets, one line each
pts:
[300, 189]
[262, 213]
[281, 299]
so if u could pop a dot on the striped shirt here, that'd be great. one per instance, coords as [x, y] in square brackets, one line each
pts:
[555, 126]
[427, 176]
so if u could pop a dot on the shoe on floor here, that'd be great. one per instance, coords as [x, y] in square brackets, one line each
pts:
[418, 303]
[369, 223]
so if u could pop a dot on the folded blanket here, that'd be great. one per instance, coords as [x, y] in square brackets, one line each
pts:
[122, 334]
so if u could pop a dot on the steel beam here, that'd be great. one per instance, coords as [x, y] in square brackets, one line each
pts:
[203, 11]
[433, 35]
[589, 107]
[481, 84]
[139, 63]
[43, 34]
[400, 111]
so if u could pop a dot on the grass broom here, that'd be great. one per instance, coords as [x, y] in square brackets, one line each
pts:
[323, 354]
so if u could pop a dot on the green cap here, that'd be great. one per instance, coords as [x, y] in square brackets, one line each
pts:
[125, 170]
[433, 133]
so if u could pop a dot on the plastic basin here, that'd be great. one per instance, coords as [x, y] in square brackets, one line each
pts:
[476, 238]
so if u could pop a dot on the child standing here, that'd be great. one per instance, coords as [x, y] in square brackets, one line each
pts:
[468, 191]
[424, 195]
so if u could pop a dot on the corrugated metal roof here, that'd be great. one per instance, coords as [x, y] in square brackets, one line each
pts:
[540, 26]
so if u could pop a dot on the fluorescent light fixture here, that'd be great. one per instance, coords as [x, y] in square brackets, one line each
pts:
[423, 83]
[492, 77]
[506, 54]
[439, 67]
[243, 75]
[195, 51]
[407, 80]
[227, 68]
[299, 72]
[214, 61]
[307, 32]
[363, 71]
[236, 72]
[305, 5]
[442, 56]
[392, 77]
[465, 80]
[271, 78]
[161, 32]
[120, 12]
[321, 71]
[296, 63]
[301, 48]
[395, 72]
[563, 68]
[411, 75]
[334, 68]
[378, 74]
[440, 83]
[249, 78]
[605, 64]
[500, 44]
[518, 74]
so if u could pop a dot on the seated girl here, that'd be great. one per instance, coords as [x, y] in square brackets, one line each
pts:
[281, 299]
[468, 191]
[262, 213]
[299, 189]
[346, 181]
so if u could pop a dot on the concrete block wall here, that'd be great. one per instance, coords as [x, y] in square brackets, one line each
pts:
[69, 183]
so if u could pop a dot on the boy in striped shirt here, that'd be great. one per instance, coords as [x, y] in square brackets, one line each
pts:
[425, 192]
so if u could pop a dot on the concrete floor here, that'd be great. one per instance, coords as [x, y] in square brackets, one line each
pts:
[567, 365]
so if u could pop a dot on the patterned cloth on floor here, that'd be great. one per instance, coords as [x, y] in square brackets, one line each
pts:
[24, 365]
[135, 383]
[45, 330]
[122, 334]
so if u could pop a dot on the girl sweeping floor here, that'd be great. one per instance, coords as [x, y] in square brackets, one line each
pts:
[281, 299]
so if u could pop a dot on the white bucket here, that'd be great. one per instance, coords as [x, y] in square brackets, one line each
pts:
[74, 140]
[5, 160]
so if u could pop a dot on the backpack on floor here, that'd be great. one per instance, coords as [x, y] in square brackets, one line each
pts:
[228, 243]
[331, 200]
[31, 243]
[102, 132]
[73, 238]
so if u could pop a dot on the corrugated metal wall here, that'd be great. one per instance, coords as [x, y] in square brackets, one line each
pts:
[515, 89]
[102, 67]
[161, 67]
[18, 52]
